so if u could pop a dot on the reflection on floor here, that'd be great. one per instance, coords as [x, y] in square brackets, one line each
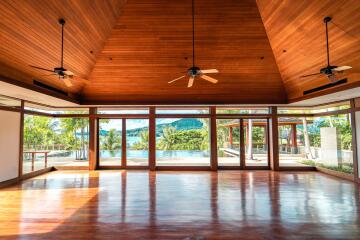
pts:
[181, 205]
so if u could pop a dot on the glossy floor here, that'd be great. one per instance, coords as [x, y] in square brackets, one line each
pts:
[181, 205]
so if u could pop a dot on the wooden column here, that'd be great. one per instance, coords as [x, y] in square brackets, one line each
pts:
[242, 144]
[93, 139]
[293, 139]
[355, 138]
[21, 144]
[231, 136]
[152, 140]
[123, 143]
[274, 139]
[213, 139]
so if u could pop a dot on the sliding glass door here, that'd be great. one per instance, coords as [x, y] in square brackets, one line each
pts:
[228, 142]
[182, 142]
[110, 142]
[137, 142]
[256, 142]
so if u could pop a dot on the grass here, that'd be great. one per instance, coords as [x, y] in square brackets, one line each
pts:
[349, 169]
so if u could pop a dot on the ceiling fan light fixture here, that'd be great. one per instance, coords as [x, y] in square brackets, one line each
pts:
[328, 70]
[195, 71]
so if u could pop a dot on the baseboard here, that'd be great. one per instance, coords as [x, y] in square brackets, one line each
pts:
[37, 173]
[13, 181]
[9, 182]
[305, 168]
[71, 167]
[334, 173]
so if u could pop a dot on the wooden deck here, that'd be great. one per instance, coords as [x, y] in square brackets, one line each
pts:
[181, 205]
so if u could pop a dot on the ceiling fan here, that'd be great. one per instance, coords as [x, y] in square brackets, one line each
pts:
[195, 71]
[63, 74]
[329, 71]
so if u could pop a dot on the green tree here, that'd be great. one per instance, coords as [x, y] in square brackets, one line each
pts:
[143, 143]
[167, 139]
[112, 141]
[70, 129]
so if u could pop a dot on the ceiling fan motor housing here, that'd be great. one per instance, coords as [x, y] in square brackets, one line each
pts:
[59, 70]
[194, 71]
[327, 70]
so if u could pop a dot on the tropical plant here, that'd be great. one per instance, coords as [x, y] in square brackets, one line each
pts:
[112, 141]
[143, 143]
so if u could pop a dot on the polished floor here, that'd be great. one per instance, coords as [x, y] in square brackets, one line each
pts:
[181, 205]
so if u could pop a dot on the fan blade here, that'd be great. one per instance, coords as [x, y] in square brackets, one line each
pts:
[342, 68]
[42, 68]
[69, 73]
[210, 71]
[67, 82]
[310, 75]
[176, 79]
[191, 81]
[210, 79]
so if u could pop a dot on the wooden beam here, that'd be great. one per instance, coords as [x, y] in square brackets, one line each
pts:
[39, 90]
[213, 140]
[93, 139]
[274, 139]
[152, 139]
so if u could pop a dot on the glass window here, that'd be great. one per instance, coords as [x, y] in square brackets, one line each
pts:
[256, 142]
[242, 110]
[55, 142]
[228, 142]
[183, 110]
[292, 141]
[50, 110]
[357, 120]
[328, 143]
[110, 132]
[137, 142]
[313, 110]
[124, 110]
[9, 102]
[182, 142]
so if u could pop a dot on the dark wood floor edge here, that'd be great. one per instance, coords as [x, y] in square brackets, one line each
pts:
[71, 168]
[309, 168]
[337, 174]
[9, 182]
[37, 173]
[26, 176]
[183, 168]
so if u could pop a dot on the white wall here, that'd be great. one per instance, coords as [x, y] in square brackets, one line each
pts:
[9, 144]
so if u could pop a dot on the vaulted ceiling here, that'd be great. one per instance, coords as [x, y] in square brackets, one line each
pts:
[130, 50]
[297, 36]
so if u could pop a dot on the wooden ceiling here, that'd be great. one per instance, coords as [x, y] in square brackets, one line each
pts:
[31, 35]
[151, 45]
[297, 36]
[130, 50]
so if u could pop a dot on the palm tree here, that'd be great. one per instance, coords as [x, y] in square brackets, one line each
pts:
[112, 141]
[70, 128]
[167, 140]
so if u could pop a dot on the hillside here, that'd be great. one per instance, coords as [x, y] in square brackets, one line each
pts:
[181, 124]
